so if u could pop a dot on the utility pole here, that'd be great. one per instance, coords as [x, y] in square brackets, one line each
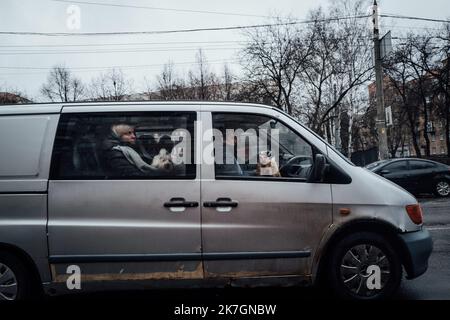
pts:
[381, 117]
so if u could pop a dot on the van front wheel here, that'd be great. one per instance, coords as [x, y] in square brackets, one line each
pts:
[14, 284]
[364, 266]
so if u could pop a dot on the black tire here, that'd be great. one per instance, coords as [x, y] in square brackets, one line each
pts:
[439, 188]
[340, 267]
[21, 275]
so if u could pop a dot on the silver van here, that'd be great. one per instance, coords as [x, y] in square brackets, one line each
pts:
[96, 196]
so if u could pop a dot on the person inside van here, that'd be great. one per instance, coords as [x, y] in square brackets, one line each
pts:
[121, 155]
[227, 163]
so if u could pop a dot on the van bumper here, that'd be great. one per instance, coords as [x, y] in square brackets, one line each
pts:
[417, 247]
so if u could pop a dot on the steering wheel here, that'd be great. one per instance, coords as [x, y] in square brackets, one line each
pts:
[284, 170]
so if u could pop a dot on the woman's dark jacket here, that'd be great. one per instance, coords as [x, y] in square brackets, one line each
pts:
[115, 161]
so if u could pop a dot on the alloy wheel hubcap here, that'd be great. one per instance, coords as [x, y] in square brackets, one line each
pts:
[443, 188]
[354, 269]
[8, 283]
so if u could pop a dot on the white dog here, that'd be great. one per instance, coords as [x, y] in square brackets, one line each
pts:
[163, 160]
[267, 165]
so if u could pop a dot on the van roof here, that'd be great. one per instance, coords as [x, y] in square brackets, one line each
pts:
[55, 107]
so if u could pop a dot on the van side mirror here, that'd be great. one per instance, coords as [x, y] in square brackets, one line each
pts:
[319, 168]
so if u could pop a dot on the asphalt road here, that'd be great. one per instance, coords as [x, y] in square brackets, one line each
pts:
[433, 285]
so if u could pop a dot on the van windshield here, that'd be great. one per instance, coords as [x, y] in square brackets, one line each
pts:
[320, 138]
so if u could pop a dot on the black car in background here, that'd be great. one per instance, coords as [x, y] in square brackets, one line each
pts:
[415, 175]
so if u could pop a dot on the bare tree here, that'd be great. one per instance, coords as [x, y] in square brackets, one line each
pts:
[418, 74]
[440, 73]
[202, 83]
[273, 60]
[356, 56]
[252, 92]
[399, 75]
[363, 129]
[62, 86]
[341, 59]
[78, 89]
[200, 78]
[110, 86]
[309, 72]
[398, 132]
[422, 59]
[227, 87]
[167, 83]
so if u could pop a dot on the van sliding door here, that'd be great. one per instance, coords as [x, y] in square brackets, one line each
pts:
[115, 217]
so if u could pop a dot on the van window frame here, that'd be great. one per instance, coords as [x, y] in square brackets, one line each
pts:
[61, 132]
[315, 151]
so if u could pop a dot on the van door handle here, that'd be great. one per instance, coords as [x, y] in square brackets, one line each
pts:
[180, 203]
[221, 203]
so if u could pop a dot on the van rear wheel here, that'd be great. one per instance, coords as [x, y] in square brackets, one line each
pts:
[14, 281]
[364, 266]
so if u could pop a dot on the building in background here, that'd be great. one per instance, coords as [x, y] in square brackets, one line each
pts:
[12, 98]
[409, 123]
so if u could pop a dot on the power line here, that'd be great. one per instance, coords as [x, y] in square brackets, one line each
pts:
[57, 34]
[131, 50]
[138, 50]
[161, 9]
[397, 16]
[118, 44]
[409, 27]
[224, 42]
[117, 67]
[90, 70]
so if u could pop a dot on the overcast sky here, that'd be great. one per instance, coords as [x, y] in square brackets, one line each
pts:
[23, 53]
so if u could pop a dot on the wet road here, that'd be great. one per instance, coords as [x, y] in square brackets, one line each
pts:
[435, 283]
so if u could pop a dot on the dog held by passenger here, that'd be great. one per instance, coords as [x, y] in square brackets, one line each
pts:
[267, 165]
[163, 160]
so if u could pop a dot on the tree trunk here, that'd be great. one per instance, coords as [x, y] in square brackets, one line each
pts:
[425, 131]
[328, 131]
[412, 127]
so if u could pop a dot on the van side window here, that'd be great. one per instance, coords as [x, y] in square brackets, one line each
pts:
[135, 145]
[253, 146]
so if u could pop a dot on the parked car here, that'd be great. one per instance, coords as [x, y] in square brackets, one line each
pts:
[80, 209]
[415, 175]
